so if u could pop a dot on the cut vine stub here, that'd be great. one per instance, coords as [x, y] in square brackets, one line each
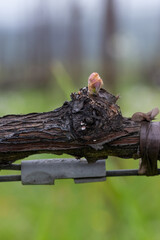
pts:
[94, 115]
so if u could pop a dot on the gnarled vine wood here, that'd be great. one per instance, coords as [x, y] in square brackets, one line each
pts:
[87, 126]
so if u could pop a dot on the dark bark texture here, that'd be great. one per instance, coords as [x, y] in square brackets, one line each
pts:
[87, 126]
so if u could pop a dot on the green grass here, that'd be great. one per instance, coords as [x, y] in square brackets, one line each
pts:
[120, 208]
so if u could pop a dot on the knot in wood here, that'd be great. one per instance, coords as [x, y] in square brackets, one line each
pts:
[94, 115]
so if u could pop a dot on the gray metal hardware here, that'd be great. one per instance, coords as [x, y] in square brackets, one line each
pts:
[39, 172]
[47, 171]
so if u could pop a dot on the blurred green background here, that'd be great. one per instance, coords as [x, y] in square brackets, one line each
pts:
[47, 51]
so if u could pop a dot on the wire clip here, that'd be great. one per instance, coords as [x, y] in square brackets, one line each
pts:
[39, 172]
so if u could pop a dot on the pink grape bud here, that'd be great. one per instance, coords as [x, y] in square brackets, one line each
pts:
[94, 83]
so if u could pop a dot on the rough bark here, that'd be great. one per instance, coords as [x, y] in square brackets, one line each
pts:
[87, 126]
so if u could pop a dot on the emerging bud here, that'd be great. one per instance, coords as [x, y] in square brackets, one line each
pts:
[94, 83]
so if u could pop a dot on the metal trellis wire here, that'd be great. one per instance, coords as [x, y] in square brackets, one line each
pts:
[46, 171]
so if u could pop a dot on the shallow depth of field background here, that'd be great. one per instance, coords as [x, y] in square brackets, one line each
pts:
[47, 50]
